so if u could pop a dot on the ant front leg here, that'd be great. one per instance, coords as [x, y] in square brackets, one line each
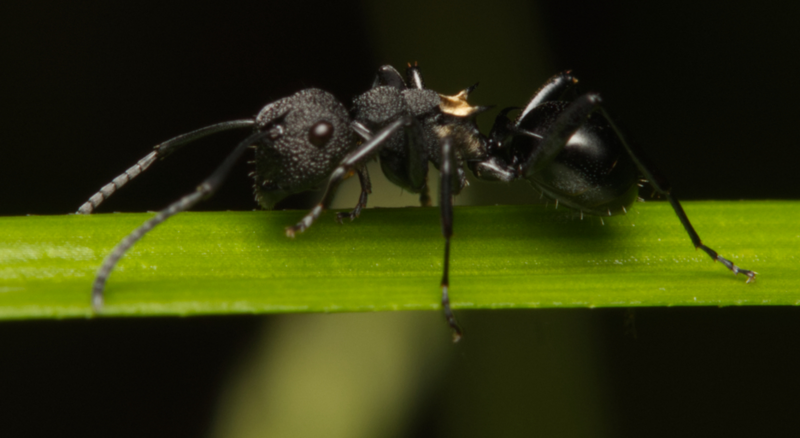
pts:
[366, 189]
[662, 186]
[356, 160]
[363, 177]
[449, 181]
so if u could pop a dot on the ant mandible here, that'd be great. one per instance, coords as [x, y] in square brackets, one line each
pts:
[564, 144]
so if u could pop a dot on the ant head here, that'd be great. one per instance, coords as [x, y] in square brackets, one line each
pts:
[309, 135]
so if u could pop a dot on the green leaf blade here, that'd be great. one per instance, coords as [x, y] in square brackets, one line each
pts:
[391, 259]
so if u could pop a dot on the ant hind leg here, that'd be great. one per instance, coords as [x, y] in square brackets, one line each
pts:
[662, 187]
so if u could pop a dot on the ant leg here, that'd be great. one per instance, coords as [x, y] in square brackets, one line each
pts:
[352, 162]
[160, 151]
[662, 186]
[449, 180]
[568, 123]
[204, 191]
[363, 175]
[425, 194]
[366, 189]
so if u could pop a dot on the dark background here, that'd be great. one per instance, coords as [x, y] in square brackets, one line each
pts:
[708, 89]
[88, 88]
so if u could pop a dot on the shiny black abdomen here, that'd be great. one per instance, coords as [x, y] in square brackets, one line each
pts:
[593, 173]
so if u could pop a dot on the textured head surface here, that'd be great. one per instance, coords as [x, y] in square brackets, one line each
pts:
[295, 159]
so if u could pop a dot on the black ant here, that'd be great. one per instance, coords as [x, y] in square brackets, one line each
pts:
[564, 144]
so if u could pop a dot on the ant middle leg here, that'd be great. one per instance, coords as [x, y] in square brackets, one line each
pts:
[366, 189]
[449, 185]
[425, 195]
[357, 159]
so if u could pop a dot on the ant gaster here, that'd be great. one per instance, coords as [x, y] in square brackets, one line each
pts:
[564, 144]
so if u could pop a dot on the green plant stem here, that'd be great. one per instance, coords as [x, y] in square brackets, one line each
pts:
[391, 259]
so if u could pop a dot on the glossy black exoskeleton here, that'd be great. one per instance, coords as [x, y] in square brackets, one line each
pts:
[568, 150]
[564, 144]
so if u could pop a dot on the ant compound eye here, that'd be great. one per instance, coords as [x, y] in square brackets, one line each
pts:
[320, 133]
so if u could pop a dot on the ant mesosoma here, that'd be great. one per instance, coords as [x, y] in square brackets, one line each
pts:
[564, 144]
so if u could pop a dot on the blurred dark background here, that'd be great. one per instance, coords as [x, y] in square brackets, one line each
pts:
[91, 87]
[707, 88]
